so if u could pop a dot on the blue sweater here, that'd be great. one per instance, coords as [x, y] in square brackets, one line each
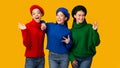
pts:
[55, 34]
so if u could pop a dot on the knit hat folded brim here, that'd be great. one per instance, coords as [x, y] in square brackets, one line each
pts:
[36, 6]
[64, 11]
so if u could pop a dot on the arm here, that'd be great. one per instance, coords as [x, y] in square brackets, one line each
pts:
[71, 57]
[96, 38]
[25, 35]
[26, 38]
[43, 25]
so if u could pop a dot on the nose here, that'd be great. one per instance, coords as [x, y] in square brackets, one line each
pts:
[58, 17]
[36, 14]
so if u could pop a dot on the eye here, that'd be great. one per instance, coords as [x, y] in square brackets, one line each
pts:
[39, 12]
[33, 13]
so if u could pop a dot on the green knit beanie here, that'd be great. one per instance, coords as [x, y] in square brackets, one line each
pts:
[78, 8]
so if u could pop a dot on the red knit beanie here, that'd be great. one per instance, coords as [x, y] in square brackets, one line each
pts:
[36, 6]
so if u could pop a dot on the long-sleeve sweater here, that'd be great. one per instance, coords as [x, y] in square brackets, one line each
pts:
[55, 34]
[33, 40]
[85, 39]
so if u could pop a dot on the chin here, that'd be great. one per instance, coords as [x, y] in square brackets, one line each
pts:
[59, 22]
[80, 21]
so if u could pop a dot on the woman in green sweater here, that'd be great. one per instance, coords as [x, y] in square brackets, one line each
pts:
[85, 38]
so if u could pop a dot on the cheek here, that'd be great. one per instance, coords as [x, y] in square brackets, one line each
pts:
[81, 18]
[33, 16]
[39, 15]
[57, 17]
[63, 18]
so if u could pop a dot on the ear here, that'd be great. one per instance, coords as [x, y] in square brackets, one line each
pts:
[74, 16]
[41, 14]
[65, 18]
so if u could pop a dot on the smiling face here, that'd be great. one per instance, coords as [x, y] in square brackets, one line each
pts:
[60, 18]
[79, 16]
[36, 15]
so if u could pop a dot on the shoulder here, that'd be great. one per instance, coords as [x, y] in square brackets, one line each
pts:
[28, 24]
[89, 25]
[68, 30]
[50, 23]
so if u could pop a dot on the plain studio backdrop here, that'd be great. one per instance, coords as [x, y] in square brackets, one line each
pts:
[105, 12]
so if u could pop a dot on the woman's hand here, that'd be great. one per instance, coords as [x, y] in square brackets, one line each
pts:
[21, 26]
[66, 40]
[75, 63]
[95, 26]
[43, 26]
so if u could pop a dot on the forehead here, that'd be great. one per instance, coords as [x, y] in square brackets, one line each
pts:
[60, 13]
[36, 10]
[80, 12]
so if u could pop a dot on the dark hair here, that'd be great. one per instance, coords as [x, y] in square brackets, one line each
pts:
[65, 23]
[76, 9]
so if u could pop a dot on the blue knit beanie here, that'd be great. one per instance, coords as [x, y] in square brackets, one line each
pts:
[64, 11]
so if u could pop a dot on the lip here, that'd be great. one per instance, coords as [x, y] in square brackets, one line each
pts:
[58, 21]
[37, 18]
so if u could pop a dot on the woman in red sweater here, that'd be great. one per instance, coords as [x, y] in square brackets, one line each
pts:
[33, 39]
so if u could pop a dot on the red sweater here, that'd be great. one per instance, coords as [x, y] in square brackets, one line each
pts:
[33, 40]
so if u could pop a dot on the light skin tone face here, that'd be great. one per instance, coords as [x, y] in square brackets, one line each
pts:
[79, 16]
[60, 18]
[36, 15]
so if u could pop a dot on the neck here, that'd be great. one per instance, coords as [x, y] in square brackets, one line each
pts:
[79, 25]
[61, 23]
[79, 22]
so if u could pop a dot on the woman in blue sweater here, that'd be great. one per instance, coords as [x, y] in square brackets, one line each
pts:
[59, 40]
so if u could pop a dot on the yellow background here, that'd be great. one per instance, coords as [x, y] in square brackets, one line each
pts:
[105, 12]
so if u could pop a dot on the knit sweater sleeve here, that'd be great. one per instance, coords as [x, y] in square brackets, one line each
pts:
[96, 38]
[26, 38]
[49, 25]
[71, 57]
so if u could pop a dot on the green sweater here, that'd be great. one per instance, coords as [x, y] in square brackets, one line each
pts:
[85, 39]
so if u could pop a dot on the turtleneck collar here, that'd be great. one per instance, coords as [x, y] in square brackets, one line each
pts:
[62, 25]
[75, 25]
[34, 23]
